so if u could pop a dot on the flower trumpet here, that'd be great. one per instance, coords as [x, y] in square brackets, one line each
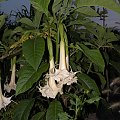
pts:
[12, 84]
[62, 75]
[51, 89]
[4, 101]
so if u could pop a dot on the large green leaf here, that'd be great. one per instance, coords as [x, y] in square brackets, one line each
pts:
[109, 4]
[90, 83]
[23, 109]
[54, 109]
[38, 116]
[41, 5]
[94, 55]
[28, 76]
[33, 51]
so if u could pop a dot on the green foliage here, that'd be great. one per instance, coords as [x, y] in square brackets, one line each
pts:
[23, 109]
[54, 109]
[27, 21]
[38, 116]
[41, 5]
[94, 55]
[28, 76]
[112, 5]
[90, 49]
[89, 83]
[2, 20]
[33, 51]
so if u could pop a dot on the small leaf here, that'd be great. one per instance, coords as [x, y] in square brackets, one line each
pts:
[90, 83]
[38, 116]
[54, 109]
[28, 76]
[33, 51]
[26, 21]
[41, 5]
[2, 20]
[111, 4]
[92, 100]
[56, 5]
[23, 109]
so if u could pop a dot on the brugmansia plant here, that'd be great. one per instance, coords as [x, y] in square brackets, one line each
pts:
[55, 58]
[58, 77]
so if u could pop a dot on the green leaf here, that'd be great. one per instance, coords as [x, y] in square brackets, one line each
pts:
[26, 21]
[102, 80]
[2, 20]
[111, 4]
[28, 76]
[63, 116]
[54, 109]
[56, 5]
[95, 56]
[87, 11]
[22, 110]
[90, 83]
[37, 18]
[116, 65]
[33, 51]
[92, 100]
[38, 116]
[41, 5]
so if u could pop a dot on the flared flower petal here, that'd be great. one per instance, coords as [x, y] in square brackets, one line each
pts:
[4, 101]
[9, 87]
[50, 91]
[65, 76]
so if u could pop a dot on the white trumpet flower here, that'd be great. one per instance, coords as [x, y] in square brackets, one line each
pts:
[4, 101]
[62, 75]
[51, 89]
[12, 84]
[58, 77]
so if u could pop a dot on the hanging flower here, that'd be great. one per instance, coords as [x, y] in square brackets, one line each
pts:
[4, 101]
[51, 89]
[12, 84]
[63, 75]
[56, 78]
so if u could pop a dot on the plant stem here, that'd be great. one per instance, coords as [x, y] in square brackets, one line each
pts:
[13, 67]
[50, 49]
[66, 50]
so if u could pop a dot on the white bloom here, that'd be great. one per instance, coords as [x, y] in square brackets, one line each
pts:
[65, 76]
[51, 89]
[3, 100]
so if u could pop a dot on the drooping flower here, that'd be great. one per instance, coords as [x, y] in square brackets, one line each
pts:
[12, 84]
[51, 89]
[56, 78]
[63, 75]
[4, 101]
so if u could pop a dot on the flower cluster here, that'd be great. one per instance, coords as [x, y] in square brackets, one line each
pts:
[56, 78]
